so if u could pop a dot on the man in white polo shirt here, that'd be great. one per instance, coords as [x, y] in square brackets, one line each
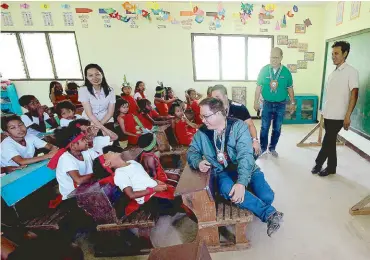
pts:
[340, 97]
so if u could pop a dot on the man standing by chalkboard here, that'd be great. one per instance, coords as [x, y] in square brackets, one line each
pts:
[340, 97]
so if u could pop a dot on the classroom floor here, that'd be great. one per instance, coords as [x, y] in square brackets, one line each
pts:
[317, 223]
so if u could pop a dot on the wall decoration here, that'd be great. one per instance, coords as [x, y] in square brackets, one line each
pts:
[307, 22]
[211, 14]
[266, 13]
[282, 40]
[355, 9]
[106, 19]
[187, 13]
[133, 24]
[302, 64]
[6, 19]
[4, 6]
[187, 24]
[295, 8]
[300, 28]
[309, 56]
[45, 6]
[283, 22]
[84, 20]
[239, 94]
[199, 14]
[174, 21]
[302, 47]
[290, 14]
[292, 43]
[340, 11]
[65, 6]
[246, 12]
[292, 68]
[27, 18]
[161, 26]
[48, 19]
[264, 30]
[24, 6]
[277, 27]
[83, 10]
[68, 19]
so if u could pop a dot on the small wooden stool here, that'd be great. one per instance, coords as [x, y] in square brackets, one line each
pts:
[196, 250]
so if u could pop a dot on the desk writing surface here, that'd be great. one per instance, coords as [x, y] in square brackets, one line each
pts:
[192, 181]
[17, 185]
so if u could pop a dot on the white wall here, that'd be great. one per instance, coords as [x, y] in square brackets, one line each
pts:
[152, 54]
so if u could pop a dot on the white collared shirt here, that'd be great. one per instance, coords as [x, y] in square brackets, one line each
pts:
[338, 91]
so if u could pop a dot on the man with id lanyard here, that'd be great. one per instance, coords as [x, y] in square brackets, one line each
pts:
[275, 83]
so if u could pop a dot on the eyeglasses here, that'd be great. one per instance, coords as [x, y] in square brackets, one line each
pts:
[206, 117]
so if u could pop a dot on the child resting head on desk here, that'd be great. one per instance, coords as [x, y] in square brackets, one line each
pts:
[18, 149]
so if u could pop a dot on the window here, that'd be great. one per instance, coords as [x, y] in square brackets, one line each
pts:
[39, 56]
[229, 57]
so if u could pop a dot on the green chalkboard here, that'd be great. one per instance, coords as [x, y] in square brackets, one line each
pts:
[359, 58]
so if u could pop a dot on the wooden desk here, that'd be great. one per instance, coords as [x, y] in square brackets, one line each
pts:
[17, 185]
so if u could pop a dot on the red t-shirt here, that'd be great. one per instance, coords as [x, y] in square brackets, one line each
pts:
[184, 133]
[162, 108]
[130, 126]
[132, 106]
[196, 109]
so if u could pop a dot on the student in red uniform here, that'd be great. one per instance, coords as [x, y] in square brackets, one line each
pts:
[139, 90]
[126, 95]
[160, 101]
[72, 93]
[192, 97]
[56, 92]
[183, 128]
[122, 112]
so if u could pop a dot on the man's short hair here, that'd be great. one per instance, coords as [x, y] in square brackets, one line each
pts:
[6, 119]
[221, 88]
[344, 46]
[214, 104]
[25, 100]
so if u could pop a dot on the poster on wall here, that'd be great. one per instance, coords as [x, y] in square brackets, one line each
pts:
[310, 56]
[340, 11]
[6, 19]
[48, 19]
[302, 47]
[239, 95]
[282, 40]
[292, 68]
[300, 28]
[27, 18]
[68, 19]
[292, 43]
[355, 9]
[302, 64]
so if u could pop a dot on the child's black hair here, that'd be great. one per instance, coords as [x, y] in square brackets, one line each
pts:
[99, 171]
[6, 119]
[172, 108]
[142, 103]
[72, 86]
[65, 135]
[25, 100]
[145, 140]
[159, 90]
[66, 104]
[80, 121]
[119, 103]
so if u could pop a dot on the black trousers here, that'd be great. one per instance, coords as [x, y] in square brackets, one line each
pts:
[329, 149]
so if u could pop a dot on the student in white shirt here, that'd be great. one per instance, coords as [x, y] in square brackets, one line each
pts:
[73, 163]
[36, 116]
[66, 111]
[340, 97]
[18, 149]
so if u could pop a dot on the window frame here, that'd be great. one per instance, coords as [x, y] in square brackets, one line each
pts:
[246, 36]
[48, 43]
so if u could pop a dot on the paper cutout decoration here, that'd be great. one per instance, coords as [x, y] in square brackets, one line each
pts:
[282, 40]
[290, 14]
[292, 43]
[45, 6]
[68, 19]
[264, 30]
[340, 11]
[300, 28]
[48, 19]
[307, 22]
[277, 27]
[27, 18]
[24, 6]
[310, 56]
[211, 14]
[292, 68]
[199, 14]
[283, 22]
[301, 64]
[246, 12]
[83, 10]
[295, 8]
[174, 21]
[6, 19]
[302, 47]
[239, 95]
[266, 13]
[65, 6]
[355, 9]
[4, 6]
[187, 13]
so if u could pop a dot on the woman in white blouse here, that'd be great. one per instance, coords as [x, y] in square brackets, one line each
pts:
[97, 99]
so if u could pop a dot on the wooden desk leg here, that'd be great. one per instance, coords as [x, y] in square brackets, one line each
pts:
[209, 235]
[240, 233]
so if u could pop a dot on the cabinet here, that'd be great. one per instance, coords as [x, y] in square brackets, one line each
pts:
[306, 112]
[9, 101]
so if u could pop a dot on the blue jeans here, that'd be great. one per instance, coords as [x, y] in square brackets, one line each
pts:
[259, 202]
[272, 111]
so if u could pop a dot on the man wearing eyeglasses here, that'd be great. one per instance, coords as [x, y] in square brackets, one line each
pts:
[224, 146]
[275, 82]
